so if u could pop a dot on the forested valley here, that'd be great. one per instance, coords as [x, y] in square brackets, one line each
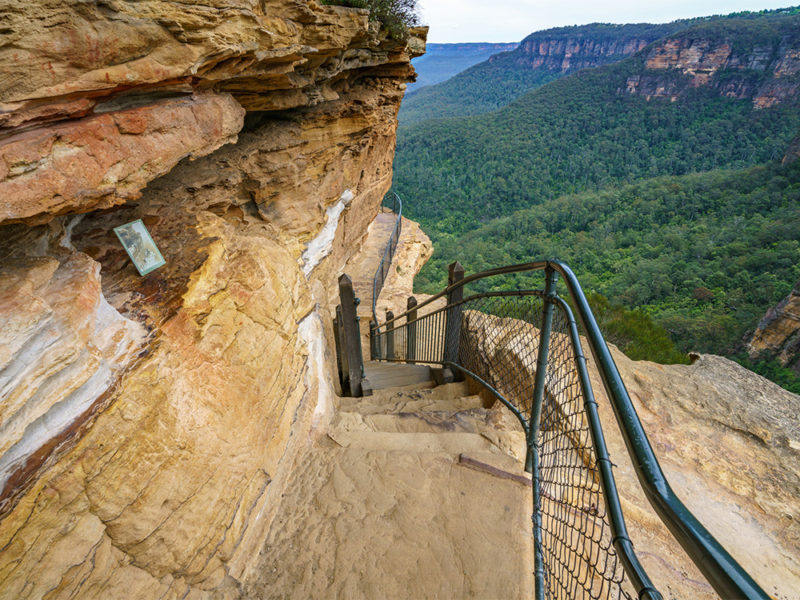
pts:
[674, 211]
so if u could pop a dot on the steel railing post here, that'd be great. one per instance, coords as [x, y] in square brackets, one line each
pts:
[389, 335]
[411, 328]
[532, 457]
[452, 327]
[352, 336]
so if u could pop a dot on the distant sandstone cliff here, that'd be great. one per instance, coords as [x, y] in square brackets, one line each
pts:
[763, 66]
[146, 422]
[568, 49]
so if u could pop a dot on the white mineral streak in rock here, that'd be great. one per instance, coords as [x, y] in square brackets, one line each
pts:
[320, 246]
[60, 371]
[310, 331]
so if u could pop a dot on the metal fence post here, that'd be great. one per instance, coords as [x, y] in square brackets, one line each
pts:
[338, 344]
[389, 335]
[532, 457]
[411, 329]
[352, 336]
[374, 349]
[452, 328]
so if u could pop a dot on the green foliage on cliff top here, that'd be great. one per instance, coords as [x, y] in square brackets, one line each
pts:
[395, 15]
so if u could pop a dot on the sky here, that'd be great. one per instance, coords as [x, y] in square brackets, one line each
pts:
[511, 20]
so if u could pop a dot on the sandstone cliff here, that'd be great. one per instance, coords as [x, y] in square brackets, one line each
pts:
[147, 422]
[566, 49]
[745, 59]
[778, 333]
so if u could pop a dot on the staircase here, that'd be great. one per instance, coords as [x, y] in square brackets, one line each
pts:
[415, 493]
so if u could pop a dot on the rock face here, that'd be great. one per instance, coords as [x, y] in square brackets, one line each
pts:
[568, 49]
[148, 423]
[793, 152]
[778, 333]
[562, 51]
[765, 68]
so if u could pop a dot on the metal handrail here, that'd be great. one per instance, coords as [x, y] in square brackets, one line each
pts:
[721, 570]
[383, 268]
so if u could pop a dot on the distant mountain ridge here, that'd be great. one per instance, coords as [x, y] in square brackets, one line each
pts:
[694, 48]
[441, 61]
[699, 119]
[541, 57]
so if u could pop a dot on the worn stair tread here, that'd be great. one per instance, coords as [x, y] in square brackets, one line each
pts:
[410, 405]
[384, 397]
[391, 375]
[445, 443]
[473, 420]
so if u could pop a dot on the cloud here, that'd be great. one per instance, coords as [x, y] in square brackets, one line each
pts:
[512, 20]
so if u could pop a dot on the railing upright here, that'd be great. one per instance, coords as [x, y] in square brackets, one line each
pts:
[351, 337]
[452, 328]
[411, 334]
[532, 456]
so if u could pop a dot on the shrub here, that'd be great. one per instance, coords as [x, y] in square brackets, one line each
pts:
[396, 16]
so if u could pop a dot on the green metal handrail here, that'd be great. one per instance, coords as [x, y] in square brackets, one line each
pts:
[725, 575]
[383, 268]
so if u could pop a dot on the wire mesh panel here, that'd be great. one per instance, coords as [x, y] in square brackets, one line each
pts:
[499, 343]
[495, 337]
[579, 557]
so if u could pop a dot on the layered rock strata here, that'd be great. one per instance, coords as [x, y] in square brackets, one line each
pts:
[148, 423]
[762, 64]
[565, 50]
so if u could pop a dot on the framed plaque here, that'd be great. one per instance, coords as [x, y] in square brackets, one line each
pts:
[140, 246]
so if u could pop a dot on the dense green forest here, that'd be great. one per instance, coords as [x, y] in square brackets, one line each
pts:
[575, 134]
[704, 254]
[675, 213]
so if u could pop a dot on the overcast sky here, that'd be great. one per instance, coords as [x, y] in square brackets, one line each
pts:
[511, 20]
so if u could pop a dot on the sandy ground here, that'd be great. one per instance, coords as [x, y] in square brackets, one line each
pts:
[383, 508]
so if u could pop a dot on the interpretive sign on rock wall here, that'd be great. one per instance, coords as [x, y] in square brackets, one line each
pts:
[140, 246]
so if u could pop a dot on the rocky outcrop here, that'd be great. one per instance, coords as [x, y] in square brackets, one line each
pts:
[778, 333]
[148, 423]
[793, 152]
[745, 59]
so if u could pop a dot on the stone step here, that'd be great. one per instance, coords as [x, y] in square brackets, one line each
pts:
[415, 443]
[406, 405]
[473, 420]
[453, 396]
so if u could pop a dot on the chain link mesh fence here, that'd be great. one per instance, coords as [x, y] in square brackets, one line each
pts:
[498, 341]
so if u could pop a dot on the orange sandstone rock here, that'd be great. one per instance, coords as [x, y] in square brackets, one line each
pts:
[106, 159]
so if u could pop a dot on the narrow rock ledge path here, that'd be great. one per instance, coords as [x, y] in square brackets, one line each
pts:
[388, 506]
